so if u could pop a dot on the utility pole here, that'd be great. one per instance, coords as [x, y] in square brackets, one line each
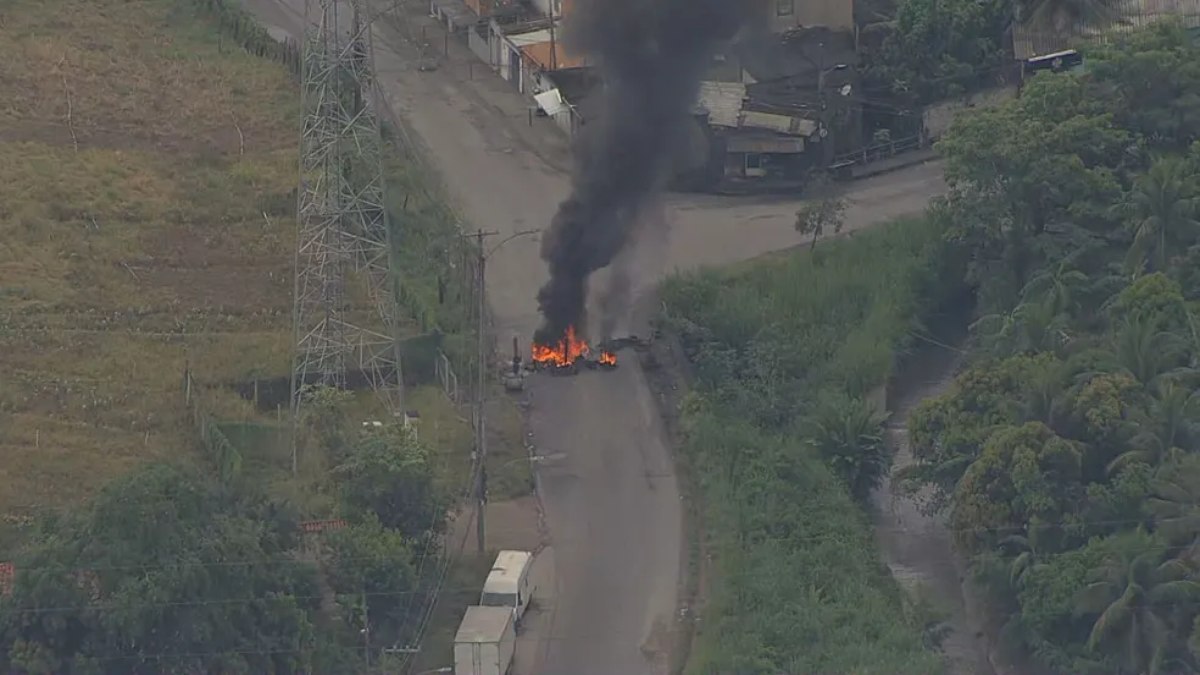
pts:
[480, 424]
[481, 381]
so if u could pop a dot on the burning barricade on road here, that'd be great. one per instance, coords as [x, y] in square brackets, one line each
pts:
[569, 353]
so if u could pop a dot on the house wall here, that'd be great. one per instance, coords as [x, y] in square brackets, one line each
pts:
[832, 14]
[480, 44]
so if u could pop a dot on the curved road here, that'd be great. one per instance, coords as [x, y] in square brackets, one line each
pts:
[612, 504]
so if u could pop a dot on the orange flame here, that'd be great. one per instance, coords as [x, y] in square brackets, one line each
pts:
[608, 359]
[564, 353]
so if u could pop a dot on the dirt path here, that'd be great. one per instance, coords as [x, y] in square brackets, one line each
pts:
[917, 548]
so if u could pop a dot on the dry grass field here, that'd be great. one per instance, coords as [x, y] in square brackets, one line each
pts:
[147, 170]
[147, 176]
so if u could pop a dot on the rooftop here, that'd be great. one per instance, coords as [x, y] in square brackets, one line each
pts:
[546, 58]
[7, 574]
[722, 101]
[505, 576]
[483, 624]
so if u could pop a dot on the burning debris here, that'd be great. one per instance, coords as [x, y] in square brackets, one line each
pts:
[568, 354]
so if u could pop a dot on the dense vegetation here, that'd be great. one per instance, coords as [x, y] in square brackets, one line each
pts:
[781, 432]
[1065, 456]
[920, 51]
[933, 49]
[167, 570]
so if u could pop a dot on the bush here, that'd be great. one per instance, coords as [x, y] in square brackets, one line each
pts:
[799, 585]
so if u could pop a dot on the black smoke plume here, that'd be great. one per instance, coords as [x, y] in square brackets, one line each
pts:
[650, 55]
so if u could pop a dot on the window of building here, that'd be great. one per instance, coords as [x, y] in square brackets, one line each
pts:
[784, 7]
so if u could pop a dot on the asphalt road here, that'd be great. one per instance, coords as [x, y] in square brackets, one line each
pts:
[611, 503]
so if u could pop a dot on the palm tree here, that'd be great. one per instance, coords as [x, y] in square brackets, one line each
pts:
[1044, 389]
[1145, 352]
[1169, 429]
[1175, 500]
[848, 434]
[1056, 286]
[1029, 327]
[1029, 549]
[1164, 206]
[1133, 599]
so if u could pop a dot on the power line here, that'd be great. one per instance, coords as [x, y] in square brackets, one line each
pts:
[96, 607]
[294, 561]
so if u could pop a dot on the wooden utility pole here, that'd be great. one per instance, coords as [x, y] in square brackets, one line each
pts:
[481, 383]
[480, 425]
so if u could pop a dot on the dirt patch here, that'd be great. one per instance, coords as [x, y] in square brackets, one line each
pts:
[916, 547]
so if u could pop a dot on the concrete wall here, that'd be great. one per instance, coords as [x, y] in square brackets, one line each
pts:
[832, 14]
[481, 44]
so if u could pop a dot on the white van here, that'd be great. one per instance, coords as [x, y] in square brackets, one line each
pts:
[509, 584]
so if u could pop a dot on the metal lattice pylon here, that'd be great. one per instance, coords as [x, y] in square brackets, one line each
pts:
[343, 229]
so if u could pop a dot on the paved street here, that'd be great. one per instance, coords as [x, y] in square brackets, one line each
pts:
[612, 504]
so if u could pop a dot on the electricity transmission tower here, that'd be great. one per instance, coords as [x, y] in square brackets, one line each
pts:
[344, 239]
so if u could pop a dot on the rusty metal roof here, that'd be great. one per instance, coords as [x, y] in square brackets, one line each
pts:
[722, 101]
[1032, 40]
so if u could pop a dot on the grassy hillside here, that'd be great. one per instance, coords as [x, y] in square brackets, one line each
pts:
[146, 178]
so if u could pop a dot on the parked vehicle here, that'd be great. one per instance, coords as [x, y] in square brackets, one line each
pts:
[486, 642]
[509, 584]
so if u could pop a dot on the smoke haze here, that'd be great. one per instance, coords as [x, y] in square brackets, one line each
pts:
[651, 55]
[638, 264]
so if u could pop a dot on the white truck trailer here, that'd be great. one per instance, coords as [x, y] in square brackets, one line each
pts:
[485, 642]
[509, 583]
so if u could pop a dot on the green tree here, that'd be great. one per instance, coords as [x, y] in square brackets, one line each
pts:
[939, 49]
[1149, 80]
[389, 474]
[325, 416]
[825, 215]
[947, 433]
[1133, 599]
[1175, 500]
[1025, 474]
[1029, 328]
[1155, 299]
[1147, 354]
[366, 562]
[1023, 173]
[163, 571]
[1164, 205]
[848, 434]
[1057, 286]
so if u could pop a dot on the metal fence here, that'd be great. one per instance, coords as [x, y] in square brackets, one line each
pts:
[224, 455]
[447, 378]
